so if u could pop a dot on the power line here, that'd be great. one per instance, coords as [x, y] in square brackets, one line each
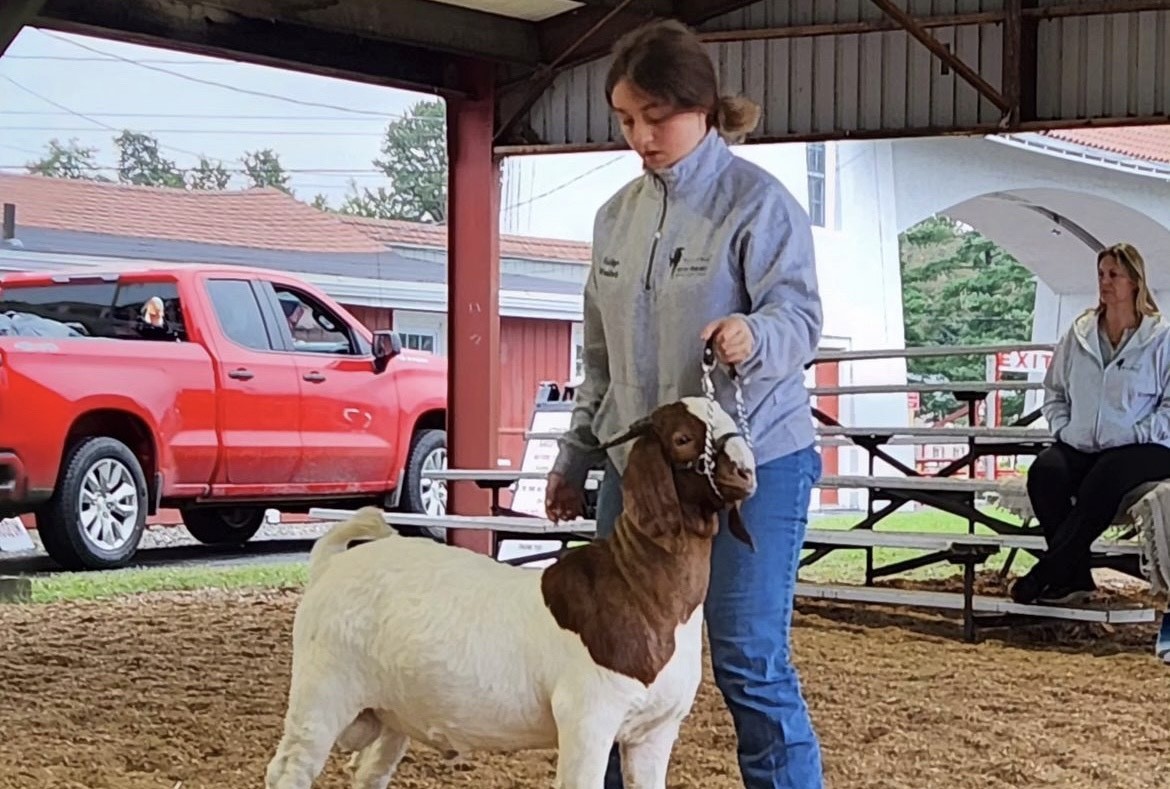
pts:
[95, 121]
[266, 132]
[302, 170]
[88, 59]
[245, 91]
[559, 187]
[190, 115]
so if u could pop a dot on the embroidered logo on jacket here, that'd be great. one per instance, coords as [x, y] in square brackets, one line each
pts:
[609, 267]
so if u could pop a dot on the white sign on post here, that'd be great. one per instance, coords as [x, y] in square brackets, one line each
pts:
[539, 455]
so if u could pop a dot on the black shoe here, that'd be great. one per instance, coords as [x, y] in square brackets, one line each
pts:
[1062, 592]
[1028, 588]
[1064, 595]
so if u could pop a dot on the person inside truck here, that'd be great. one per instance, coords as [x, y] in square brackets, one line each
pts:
[293, 311]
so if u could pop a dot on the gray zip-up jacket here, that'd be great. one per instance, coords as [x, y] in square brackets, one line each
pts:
[1093, 405]
[712, 236]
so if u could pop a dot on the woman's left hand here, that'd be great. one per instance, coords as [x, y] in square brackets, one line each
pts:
[733, 339]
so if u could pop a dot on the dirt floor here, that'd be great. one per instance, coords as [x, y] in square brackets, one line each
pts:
[187, 691]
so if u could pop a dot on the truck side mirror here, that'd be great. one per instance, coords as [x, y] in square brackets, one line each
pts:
[387, 345]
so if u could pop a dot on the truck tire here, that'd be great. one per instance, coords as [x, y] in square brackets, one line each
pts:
[420, 496]
[223, 525]
[97, 514]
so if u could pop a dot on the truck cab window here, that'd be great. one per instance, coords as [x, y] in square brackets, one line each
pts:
[149, 310]
[136, 310]
[239, 313]
[314, 328]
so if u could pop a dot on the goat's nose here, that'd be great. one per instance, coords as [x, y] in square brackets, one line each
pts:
[743, 473]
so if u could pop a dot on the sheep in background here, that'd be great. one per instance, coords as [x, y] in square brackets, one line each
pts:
[402, 639]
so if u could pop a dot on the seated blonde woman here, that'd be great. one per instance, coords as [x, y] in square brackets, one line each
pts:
[1106, 404]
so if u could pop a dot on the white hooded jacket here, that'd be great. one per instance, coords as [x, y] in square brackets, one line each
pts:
[1093, 406]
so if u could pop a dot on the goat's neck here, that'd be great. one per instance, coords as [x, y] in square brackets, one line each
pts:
[626, 596]
[668, 572]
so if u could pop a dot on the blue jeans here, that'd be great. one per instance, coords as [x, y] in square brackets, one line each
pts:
[748, 614]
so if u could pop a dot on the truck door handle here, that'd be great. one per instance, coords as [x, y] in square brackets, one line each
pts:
[314, 376]
[240, 374]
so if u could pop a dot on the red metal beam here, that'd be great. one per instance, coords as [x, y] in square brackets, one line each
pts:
[473, 296]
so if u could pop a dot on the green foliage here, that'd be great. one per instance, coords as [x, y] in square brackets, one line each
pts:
[959, 288]
[414, 158]
[141, 164]
[69, 160]
[208, 176]
[263, 169]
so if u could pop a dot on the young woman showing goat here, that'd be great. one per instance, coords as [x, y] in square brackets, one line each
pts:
[707, 246]
[402, 639]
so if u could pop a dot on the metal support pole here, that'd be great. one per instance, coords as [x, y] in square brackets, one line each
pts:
[473, 292]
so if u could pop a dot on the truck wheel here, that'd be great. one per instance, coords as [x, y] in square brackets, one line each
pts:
[223, 525]
[96, 516]
[421, 495]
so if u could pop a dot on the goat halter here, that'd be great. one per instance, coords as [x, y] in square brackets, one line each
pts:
[705, 463]
[711, 445]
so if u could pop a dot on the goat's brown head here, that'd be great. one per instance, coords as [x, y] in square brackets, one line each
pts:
[666, 487]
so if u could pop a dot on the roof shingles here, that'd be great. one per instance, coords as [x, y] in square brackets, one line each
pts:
[253, 218]
[393, 232]
[1148, 143]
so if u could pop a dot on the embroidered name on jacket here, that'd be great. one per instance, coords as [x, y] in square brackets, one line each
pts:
[690, 267]
[609, 267]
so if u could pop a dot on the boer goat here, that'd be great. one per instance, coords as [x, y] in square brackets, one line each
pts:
[402, 639]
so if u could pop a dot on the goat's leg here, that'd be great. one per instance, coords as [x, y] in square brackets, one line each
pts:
[316, 717]
[374, 766]
[585, 736]
[645, 761]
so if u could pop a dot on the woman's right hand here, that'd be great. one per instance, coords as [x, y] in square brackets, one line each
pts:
[562, 502]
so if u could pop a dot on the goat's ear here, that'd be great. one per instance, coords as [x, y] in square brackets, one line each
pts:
[737, 529]
[648, 492]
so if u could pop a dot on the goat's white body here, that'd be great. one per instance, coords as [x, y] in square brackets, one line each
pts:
[457, 651]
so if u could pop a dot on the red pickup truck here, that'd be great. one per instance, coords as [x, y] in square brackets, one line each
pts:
[221, 391]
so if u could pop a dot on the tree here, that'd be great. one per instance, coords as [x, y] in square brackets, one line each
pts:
[414, 158]
[321, 202]
[69, 160]
[959, 288]
[140, 163]
[263, 168]
[212, 177]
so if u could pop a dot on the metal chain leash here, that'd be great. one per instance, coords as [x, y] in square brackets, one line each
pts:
[708, 367]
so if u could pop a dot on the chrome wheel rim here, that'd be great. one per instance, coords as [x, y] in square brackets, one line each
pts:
[108, 505]
[433, 492]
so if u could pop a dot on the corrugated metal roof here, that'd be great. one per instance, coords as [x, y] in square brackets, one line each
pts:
[531, 10]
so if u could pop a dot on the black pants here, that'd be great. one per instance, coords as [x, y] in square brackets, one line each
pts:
[1099, 481]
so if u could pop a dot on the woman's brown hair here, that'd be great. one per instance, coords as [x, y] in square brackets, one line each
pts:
[668, 61]
[1135, 267]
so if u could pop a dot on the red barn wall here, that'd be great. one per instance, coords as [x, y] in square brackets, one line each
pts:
[531, 351]
[828, 374]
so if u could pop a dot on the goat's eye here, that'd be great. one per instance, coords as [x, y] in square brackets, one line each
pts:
[682, 439]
